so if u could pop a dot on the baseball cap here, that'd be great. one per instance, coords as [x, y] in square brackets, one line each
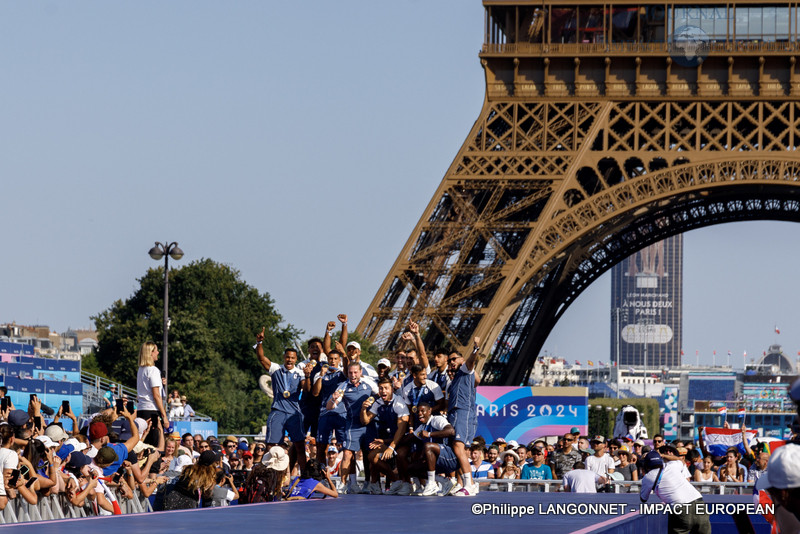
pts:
[56, 433]
[64, 451]
[652, 460]
[575, 430]
[598, 439]
[639, 442]
[783, 469]
[78, 460]
[141, 426]
[385, 362]
[206, 458]
[332, 448]
[18, 418]
[76, 445]
[122, 427]
[47, 441]
[97, 430]
[247, 454]
[513, 443]
[106, 455]
[177, 464]
[355, 344]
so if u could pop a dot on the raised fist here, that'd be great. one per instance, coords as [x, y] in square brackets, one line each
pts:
[331, 326]
[342, 318]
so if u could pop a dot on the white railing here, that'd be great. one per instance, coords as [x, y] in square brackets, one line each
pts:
[56, 507]
[548, 486]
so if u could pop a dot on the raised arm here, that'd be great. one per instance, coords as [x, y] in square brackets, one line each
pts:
[326, 339]
[423, 357]
[744, 440]
[134, 439]
[472, 359]
[343, 319]
[265, 363]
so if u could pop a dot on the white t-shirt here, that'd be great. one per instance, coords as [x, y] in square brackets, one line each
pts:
[581, 481]
[600, 465]
[147, 378]
[8, 460]
[673, 487]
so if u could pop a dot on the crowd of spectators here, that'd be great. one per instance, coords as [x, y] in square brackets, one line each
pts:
[395, 426]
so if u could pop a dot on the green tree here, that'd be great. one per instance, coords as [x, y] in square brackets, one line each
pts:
[214, 318]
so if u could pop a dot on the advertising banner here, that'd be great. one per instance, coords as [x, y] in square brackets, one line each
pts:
[526, 413]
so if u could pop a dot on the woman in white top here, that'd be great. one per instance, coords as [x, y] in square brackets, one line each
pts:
[148, 391]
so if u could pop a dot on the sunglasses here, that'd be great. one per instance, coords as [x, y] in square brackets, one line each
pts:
[260, 449]
[658, 441]
[451, 360]
[568, 440]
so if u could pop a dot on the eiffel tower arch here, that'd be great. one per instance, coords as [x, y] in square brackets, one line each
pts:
[600, 134]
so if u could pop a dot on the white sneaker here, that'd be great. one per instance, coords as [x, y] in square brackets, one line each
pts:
[395, 486]
[374, 488]
[405, 489]
[431, 488]
[456, 488]
[465, 492]
[446, 485]
[475, 488]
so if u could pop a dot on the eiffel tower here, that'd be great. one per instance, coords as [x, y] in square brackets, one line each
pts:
[606, 127]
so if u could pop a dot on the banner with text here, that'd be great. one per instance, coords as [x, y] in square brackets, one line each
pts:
[526, 413]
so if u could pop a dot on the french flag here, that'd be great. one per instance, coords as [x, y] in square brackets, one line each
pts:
[718, 440]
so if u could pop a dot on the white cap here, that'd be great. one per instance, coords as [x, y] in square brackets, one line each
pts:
[384, 361]
[355, 344]
[91, 452]
[180, 462]
[141, 426]
[47, 441]
[513, 443]
[783, 469]
[76, 445]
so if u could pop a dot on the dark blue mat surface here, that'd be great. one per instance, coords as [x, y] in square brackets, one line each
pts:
[376, 513]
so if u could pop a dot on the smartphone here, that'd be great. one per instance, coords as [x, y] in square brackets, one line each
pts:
[37, 421]
[65, 406]
[14, 478]
[120, 405]
[118, 475]
[33, 396]
[154, 421]
[30, 482]
[4, 403]
[24, 471]
[129, 406]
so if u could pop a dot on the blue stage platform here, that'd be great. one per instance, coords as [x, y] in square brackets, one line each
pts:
[375, 513]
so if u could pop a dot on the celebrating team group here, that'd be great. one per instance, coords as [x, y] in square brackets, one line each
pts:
[410, 422]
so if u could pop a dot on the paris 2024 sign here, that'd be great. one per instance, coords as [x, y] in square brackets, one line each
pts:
[524, 414]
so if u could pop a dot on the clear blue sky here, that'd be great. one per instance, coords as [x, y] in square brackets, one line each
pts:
[298, 142]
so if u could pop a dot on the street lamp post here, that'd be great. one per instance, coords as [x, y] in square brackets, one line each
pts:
[162, 250]
[619, 314]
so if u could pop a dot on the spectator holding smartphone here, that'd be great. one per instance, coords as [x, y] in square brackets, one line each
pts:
[148, 390]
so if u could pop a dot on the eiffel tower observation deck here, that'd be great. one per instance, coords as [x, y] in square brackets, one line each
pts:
[606, 127]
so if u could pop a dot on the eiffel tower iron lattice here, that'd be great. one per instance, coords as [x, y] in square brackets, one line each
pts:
[599, 135]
